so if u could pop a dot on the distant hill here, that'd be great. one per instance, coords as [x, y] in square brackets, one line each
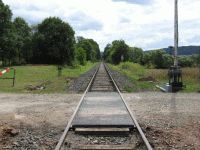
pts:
[185, 50]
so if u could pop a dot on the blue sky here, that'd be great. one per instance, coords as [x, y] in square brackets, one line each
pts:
[144, 23]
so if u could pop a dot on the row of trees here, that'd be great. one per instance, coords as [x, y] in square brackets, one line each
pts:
[87, 50]
[50, 42]
[119, 51]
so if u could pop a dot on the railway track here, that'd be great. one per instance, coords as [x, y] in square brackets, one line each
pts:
[102, 119]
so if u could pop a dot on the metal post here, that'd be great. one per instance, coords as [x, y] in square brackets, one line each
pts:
[175, 73]
[176, 34]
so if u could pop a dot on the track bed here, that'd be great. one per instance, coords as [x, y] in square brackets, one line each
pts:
[102, 119]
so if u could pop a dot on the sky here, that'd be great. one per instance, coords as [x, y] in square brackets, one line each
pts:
[147, 24]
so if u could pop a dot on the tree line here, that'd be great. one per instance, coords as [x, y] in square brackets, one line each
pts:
[118, 51]
[50, 42]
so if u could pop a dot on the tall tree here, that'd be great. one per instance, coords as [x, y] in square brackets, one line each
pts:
[54, 41]
[23, 32]
[5, 30]
[91, 48]
[120, 51]
[96, 54]
[106, 52]
[10, 46]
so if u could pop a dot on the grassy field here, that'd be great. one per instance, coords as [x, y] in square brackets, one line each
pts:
[191, 77]
[134, 72]
[41, 75]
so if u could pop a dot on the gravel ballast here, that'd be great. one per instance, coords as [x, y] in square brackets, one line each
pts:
[80, 84]
[121, 80]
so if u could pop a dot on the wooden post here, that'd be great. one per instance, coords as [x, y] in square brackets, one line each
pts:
[14, 77]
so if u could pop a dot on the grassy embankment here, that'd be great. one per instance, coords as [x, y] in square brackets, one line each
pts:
[46, 75]
[191, 77]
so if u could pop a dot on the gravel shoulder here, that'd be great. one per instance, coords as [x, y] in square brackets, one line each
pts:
[171, 121]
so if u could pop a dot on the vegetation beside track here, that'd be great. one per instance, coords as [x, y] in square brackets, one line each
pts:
[43, 76]
[191, 77]
[135, 72]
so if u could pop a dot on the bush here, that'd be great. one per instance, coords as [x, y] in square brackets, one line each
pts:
[132, 68]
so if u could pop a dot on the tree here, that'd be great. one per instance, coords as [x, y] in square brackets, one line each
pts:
[81, 55]
[106, 53]
[168, 61]
[147, 59]
[186, 61]
[120, 51]
[54, 40]
[135, 54]
[5, 30]
[23, 32]
[86, 45]
[91, 48]
[158, 59]
[5, 17]
[10, 45]
[96, 54]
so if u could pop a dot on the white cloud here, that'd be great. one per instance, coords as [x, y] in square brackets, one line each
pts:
[144, 23]
[82, 22]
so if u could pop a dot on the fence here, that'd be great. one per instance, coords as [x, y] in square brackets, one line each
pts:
[6, 70]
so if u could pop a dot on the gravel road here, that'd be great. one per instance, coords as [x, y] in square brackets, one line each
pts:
[171, 121]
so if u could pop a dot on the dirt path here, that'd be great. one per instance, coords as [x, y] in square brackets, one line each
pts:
[37, 121]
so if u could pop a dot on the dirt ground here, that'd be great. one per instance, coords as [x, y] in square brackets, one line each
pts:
[36, 120]
[30, 121]
[171, 121]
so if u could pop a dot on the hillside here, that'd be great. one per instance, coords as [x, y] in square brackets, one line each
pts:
[185, 50]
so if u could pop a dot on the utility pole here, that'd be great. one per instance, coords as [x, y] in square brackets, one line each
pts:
[176, 34]
[175, 72]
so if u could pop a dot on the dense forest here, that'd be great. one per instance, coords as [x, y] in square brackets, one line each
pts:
[50, 42]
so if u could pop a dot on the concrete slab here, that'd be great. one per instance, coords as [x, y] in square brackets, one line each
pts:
[102, 109]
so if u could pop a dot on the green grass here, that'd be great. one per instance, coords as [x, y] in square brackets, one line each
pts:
[134, 72]
[191, 77]
[42, 75]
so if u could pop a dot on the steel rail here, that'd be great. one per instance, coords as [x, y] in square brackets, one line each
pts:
[63, 137]
[130, 112]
